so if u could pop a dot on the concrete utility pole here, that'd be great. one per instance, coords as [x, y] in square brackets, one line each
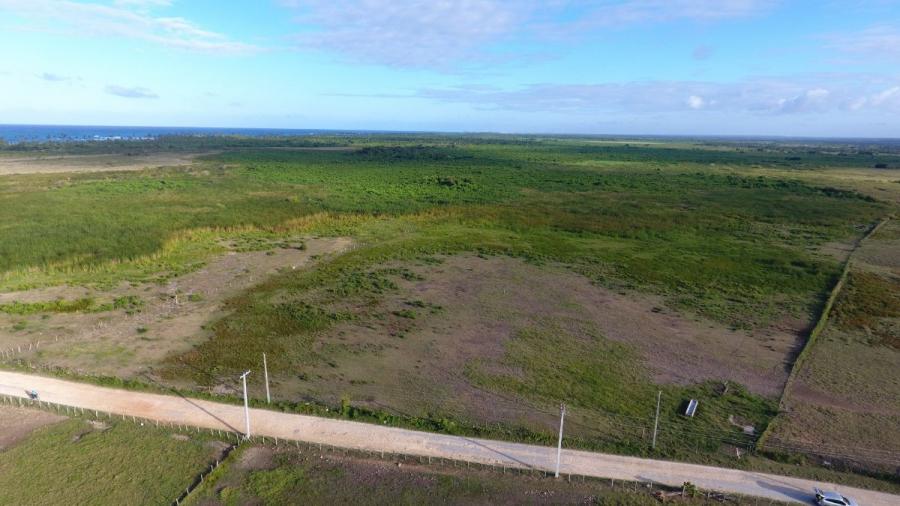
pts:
[266, 374]
[656, 422]
[246, 405]
[562, 418]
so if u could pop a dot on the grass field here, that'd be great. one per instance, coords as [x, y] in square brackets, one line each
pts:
[489, 279]
[851, 412]
[77, 461]
[261, 475]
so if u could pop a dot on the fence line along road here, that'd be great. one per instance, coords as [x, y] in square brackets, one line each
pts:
[375, 438]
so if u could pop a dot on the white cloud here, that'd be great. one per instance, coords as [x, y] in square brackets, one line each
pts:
[53, 78]
[143, 3]
[887, 96]
[122, 21]
[695, 102]
[880, 41]
[126, 92]
[885, 100]
[608, 13]
[642, 97]
[808, 101]
[407, 32]
[436, 33]
[857, 103]
[799, 95]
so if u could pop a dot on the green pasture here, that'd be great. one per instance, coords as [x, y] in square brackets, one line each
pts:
[73, 462]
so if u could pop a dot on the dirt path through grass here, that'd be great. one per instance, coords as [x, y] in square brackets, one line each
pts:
[342, 433]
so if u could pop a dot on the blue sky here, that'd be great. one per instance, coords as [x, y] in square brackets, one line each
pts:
[730, 67]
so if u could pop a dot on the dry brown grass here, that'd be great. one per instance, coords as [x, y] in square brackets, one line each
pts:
[413, 350]
[47, 164]
[847, 393]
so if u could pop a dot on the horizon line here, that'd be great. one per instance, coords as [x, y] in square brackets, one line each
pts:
[473, 132]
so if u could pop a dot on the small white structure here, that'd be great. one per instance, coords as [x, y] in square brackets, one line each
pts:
[691, 408]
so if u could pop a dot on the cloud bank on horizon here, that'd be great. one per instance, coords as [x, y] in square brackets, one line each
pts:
[763, 67]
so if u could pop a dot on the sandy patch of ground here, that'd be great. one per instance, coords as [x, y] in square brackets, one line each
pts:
[44, 164]
[18, 423]
[171, 318]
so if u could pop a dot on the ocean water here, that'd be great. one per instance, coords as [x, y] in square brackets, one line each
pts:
[43, 133]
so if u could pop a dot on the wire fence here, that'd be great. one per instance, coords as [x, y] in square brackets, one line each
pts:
[199, 479]
[657, 489]
[237, 439]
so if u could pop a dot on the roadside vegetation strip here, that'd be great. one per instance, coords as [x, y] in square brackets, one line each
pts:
[494, 432]
[821, 323]
[305, 473]
[365, 437]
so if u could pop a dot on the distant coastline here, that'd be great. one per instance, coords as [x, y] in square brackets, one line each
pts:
[14, 134]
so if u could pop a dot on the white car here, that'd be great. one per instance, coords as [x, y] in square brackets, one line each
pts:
[833, 499]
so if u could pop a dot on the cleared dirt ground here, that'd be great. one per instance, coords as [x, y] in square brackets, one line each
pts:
[44, 164]
[415, 348]
[171, 317]
[17, 423]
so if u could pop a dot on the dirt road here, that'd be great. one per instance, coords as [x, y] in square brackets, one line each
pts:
[174, 409]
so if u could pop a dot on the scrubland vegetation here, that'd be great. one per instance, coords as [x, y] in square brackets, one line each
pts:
[735, 237]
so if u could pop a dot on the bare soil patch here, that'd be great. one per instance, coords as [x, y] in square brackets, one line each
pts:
[838, 250]
[171, 317]
[256, 458]
[410, 351]
[18, 423]
[45, 164]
